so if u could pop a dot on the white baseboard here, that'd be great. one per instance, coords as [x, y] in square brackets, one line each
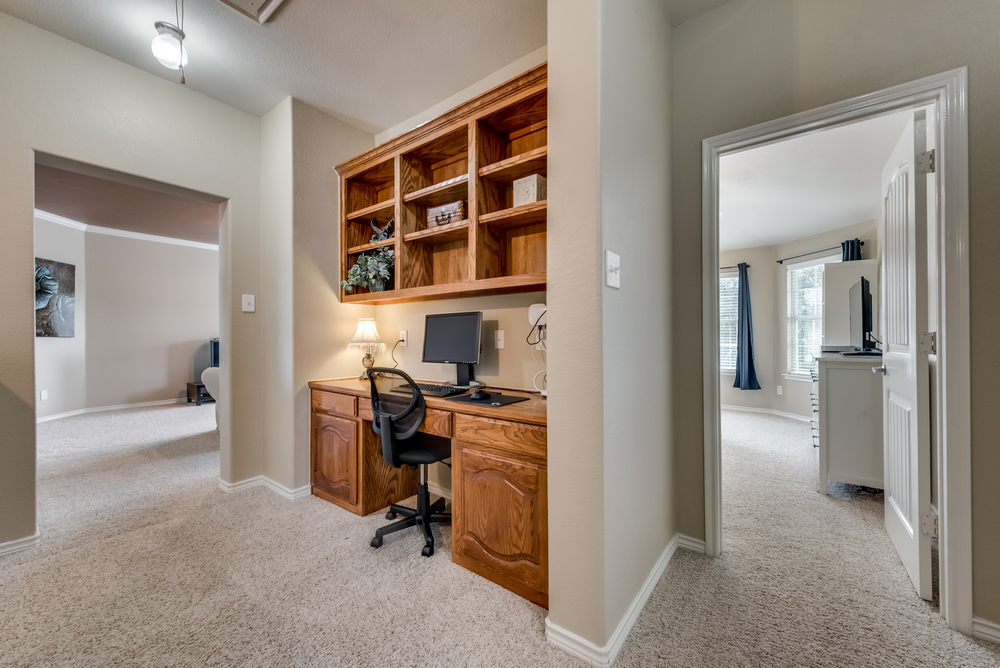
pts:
[605, 656]
[12, 546]
[437, 489]
[101, 409]
[766, 411]
[985, 630]
[264, 481]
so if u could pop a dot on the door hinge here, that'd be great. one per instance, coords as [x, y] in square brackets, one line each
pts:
[927, 343]
[929, 525]
[925, 162]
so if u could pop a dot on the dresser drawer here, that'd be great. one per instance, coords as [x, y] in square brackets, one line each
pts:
[339, 404]
[514, 437]
[436, 422]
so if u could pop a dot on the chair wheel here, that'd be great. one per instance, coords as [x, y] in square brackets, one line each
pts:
[377, 541]
[390, 515]
[427, 551]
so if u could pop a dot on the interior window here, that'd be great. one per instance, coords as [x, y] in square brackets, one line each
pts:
[729, 291]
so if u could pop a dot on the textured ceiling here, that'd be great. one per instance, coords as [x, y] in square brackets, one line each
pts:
[372, 63]
[805, 186]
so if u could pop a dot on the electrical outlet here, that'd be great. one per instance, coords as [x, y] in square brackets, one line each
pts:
[779, 390]
[403, 340]
[614, 266]
[249, 303]
[541, 339]
[499, 339]
[44, 395]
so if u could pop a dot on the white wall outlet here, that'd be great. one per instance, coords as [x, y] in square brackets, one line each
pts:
[403, 339]
[614, 266]
[44, 395]
[540, 338]
[779, 390]
[499, 339]
[249, 303]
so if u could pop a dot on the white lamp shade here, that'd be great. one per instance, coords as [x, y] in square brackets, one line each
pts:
[167, 47]
[367, 338]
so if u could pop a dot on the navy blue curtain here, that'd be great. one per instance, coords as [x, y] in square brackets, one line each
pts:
[746, 372]
[852, 250]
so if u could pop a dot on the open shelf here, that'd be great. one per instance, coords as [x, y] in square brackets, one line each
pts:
[511, 169]
[518, 216]
[371, 246]
[443, 234]
[381, 211]
[452, 190]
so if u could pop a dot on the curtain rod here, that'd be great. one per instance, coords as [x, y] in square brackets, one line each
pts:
[782, 261]
[733, 267]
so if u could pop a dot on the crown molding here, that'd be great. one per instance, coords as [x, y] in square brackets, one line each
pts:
[111, 232]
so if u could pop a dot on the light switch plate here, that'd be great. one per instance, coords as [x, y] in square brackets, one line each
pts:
[613, 266]
[499, 339]
[779, 389]
[403, 340]
[44, 395]
[249, 303]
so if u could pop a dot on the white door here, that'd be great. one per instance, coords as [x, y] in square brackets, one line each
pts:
[905, 409]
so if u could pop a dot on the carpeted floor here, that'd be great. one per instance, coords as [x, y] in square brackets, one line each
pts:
[145, 562]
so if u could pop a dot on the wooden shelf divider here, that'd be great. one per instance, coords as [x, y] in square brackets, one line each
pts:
[441, 193]
[440, 235]
[518, 216]
[372, 211]
[371, 246]
[511, 169]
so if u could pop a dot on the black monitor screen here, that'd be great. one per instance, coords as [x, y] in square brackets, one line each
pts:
[861, 313]
[452, 338]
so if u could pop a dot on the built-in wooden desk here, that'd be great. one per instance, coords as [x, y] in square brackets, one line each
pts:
[499, 476]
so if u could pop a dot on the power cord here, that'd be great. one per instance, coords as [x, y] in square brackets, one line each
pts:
[533, 328]
[392, 354]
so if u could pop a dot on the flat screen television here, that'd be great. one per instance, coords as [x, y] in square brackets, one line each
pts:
[213, 347]
[861, 315]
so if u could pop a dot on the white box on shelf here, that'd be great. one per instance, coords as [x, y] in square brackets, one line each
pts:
[529, 189]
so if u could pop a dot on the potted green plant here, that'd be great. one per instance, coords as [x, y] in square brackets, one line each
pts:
[372, 271]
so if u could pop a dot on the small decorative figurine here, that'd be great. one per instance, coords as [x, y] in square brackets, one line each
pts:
[383, 233]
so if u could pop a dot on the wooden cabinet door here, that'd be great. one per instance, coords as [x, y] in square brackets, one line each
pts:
[335, 457]
[500, 526]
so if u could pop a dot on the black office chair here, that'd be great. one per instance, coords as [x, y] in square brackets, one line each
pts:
[397, 416]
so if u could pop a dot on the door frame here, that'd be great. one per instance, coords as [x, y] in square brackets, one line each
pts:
[948, 91]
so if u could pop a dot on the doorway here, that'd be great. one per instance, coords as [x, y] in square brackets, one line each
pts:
[945, 95]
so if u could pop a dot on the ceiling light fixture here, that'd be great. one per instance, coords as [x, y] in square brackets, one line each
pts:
[168, 45]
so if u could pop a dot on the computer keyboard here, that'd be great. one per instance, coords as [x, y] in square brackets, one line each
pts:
[433, 390]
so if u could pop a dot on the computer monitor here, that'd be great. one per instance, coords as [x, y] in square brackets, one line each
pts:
[861, 315]
[454, 338]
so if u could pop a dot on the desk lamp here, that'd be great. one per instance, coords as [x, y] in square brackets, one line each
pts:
[366, 339]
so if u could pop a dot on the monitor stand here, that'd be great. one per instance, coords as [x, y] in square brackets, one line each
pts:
[465, 375]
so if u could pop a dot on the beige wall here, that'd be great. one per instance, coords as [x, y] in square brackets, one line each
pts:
[755, 60]
[61, 364]
[67, 100]
[322, 324]
[151, 309]
[610, 452]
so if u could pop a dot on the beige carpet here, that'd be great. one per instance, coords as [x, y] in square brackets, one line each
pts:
[145, 562]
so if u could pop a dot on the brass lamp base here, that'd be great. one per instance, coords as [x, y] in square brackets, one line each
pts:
[368, 361]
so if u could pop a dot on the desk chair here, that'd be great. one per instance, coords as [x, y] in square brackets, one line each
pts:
[396, 418]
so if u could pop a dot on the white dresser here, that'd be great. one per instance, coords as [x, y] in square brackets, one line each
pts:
[850, 421]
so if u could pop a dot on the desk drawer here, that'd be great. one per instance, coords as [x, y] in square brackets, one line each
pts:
[436, 422]
[515, 437]
[340, 404]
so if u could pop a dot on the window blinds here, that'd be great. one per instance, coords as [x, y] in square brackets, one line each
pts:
[805, 318]
[729, 292]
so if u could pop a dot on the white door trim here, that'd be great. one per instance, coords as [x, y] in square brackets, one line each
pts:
[949, 92]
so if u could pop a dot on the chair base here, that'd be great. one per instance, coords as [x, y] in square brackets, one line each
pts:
[424, 515]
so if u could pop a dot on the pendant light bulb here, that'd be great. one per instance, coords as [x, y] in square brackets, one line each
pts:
[167, 46]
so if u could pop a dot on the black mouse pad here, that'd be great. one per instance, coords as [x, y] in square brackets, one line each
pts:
[496, 399]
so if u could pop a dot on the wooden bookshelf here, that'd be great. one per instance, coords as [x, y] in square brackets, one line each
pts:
[473, 153]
